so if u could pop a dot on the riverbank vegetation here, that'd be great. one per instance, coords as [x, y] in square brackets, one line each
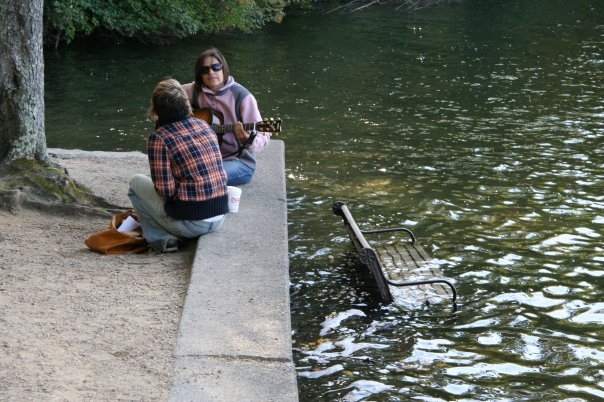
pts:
[162, 21]
[157, 21]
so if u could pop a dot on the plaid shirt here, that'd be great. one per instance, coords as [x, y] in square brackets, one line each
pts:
[185, 161]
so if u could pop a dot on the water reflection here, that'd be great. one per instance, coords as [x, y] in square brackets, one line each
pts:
[492, 153]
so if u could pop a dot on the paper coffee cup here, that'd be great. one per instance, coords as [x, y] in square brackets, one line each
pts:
[234, 197]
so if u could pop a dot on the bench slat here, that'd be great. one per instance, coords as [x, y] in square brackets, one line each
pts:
[407, 262]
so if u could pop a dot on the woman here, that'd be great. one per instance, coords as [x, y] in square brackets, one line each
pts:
[216, 90]
[186, 195]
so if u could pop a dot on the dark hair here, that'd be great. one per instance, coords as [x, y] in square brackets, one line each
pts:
[169, 101]
[206, 54]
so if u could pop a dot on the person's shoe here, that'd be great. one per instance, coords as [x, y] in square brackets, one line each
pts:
[171, 246]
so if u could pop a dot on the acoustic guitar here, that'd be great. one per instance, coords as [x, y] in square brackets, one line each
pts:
[266, 125]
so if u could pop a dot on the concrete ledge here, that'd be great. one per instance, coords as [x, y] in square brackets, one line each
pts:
[234, 340]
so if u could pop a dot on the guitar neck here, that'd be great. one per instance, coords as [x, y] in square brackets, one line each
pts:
[227, 128]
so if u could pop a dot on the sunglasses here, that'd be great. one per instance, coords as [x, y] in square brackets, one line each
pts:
[206, 69]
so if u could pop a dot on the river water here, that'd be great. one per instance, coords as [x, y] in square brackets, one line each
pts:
[479, 126]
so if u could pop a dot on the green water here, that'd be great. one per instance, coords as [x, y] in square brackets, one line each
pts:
[480, 126]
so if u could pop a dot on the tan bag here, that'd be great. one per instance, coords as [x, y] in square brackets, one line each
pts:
[111, 241]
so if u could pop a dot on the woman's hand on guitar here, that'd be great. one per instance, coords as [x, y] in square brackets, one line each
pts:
[240, 133]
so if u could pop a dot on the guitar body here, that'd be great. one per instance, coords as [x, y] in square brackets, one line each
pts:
[208, 115]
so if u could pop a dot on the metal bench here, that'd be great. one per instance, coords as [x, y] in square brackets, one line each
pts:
[397, 263]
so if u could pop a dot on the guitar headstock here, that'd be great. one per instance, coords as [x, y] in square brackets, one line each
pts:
[269, 125]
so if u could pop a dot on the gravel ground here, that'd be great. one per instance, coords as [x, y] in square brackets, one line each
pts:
[76, 325]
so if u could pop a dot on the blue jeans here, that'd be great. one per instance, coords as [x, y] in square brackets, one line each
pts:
[157, 226]
[237, 172]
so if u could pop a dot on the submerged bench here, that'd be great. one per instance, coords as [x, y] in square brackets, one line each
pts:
[396, 262]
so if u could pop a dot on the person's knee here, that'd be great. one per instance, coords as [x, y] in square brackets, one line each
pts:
[239, 180]
[138, 181]
[239, 174]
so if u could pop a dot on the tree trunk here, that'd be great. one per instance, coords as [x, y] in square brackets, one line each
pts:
[21, 81]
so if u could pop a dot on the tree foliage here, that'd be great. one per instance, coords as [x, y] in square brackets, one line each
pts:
[162, 21]
[156, 21]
